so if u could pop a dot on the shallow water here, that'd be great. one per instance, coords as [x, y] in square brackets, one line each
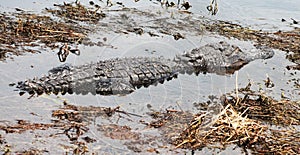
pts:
[178, 93]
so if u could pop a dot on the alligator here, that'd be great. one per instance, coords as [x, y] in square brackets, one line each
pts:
[124, 75]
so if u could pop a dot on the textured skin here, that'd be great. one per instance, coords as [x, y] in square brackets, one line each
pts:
[221, 58]
[123, 76]
[115, 76]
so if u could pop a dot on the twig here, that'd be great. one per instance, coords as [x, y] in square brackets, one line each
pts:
[237, 88]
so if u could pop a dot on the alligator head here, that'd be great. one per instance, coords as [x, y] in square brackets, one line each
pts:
[221, 58]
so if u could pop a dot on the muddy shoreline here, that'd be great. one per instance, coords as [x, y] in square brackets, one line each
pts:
[21, 29]
[248, 118]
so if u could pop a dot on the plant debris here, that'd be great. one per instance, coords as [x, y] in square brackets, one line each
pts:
[29, 30]
[21, 31]
[288, 41]
[23, 125]
[169, 122]
[247, 122]
[70, 120]
[83, 114]
[263, 108]
[248, 119]
[77, 12]
[135, 139]
[31, 151]
[118, 132]
[86, 114]
[279, 142]
[229, 127]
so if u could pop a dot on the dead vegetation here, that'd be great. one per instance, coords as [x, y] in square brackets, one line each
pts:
[20, 31]
[119, 132]
[255, 123]
[252, 121]
[69, 117]
[232, 127]
[229, 127]
[23, 125]
[265, 109]
[288, 41]
[77, 12]
[30, 151]
[279, 142]
[70, 120]
[24, 30]
[247, 122]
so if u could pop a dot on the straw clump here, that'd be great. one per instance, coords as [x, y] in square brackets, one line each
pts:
[229, 127]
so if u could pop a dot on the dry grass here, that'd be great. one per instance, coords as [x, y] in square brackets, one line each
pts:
[229, 127]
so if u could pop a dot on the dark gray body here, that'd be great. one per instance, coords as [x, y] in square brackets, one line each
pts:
[123, 76]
